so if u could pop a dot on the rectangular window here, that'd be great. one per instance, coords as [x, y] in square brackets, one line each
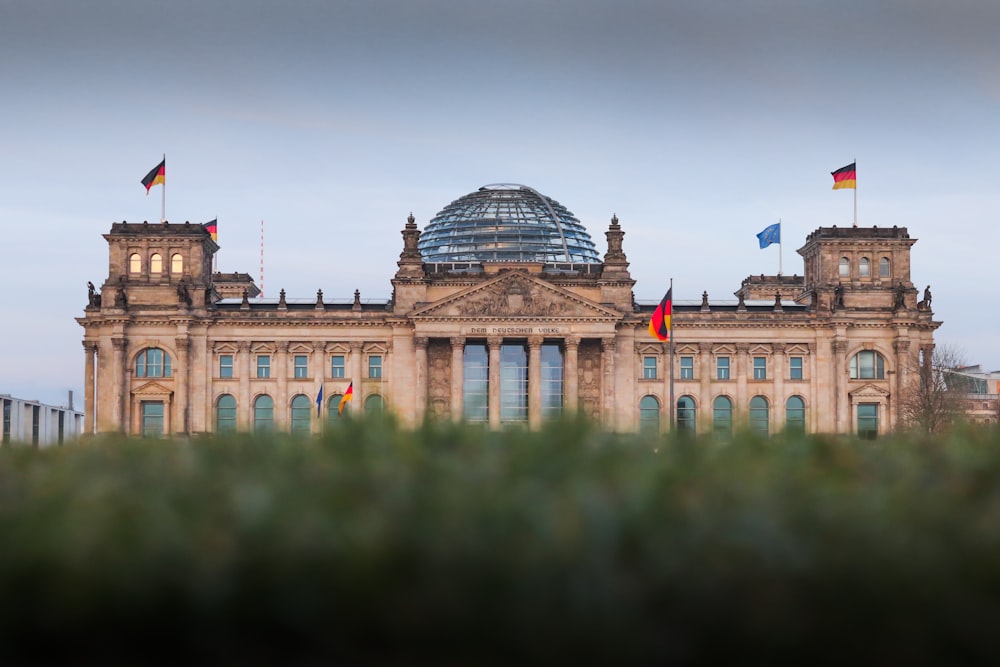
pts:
[868, 421]
[552, 381]
[375, 366]
[152, 419]
[722, 368]
[795, 368]
[760, 368]
[6, 420]
[687, 368]
[649, 368]
[36, 414]
[475, 383]
[513, 383]
[337, 366]
[263, 365]
[225, 365]
[301, 366]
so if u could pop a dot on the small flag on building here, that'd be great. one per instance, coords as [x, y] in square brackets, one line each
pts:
[213, 229]
[156, 176]
[659, 323]
[845, 177]
[319, 400]
[771, 234]
[348, 396]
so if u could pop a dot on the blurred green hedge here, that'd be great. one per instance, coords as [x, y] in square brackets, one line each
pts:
[453, 545]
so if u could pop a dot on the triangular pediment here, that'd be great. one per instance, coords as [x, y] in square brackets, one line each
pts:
[869, 391]
[152, 390]
[513, 295]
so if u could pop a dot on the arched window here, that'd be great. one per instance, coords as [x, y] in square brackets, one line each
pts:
[155, 263]
[134, 263]
[795, 414]
[649, 414]
[722, 417]
[225, 414]
[263, 414]
[884, 268]
[374, 405]
[333, 408]
[845, 267]
[177, 263]
[301, 415]
[759, 413]
[152, 363]
[686, 423]
[868, 365]
[864, 267]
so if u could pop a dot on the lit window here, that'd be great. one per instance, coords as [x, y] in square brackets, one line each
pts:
[176, 263]
[687, 368]
[722, 368]
[301, 366]
[152, 363]
[845, 267]
[375, 366]
[225, 365]
[864, 267]
[337, 366]
[134, 263]
[649, 368]
[868, 365]
[884, 268]
[795, 368]
[263, 365]
[156, 263]
[760, 368]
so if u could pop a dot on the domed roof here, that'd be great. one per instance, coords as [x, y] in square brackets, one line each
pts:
[506, 222]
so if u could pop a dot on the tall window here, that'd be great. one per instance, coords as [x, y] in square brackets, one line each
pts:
[374, 405]
[759, 414]
[864, 267]
[513, 383]
[301, 414]
[686, 423]
[795, 368]
[868, 365]
[263, 414]
[134, 263]
[152, 363]
[263, 365]
[152, 419]
[156, 263]
[649, 368]
[687, 368]
[225, 414]
[225, 365]
[884, 268]
[722, 368]
[868, 421]
[795, 414]
[333, 408]
[722, 417]
[36, 421]
[375, 366]
[337, 366]
[177, 263]
[552, 381]
[301, 366]
[760, 368]
[475, 383]
[6, 420]
[649, 414]
[845, 267]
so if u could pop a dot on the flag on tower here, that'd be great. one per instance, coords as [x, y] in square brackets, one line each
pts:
[771, 234]
[156, 176]
[845, 177]
[348, 396]
[213, 229]
[659, 323]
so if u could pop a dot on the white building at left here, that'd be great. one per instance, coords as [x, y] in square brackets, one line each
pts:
[33, 423]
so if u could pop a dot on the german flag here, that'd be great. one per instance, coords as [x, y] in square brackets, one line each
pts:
[659, 323]
[213, 229]
[348, 396]
[845, 178]
[156, 176]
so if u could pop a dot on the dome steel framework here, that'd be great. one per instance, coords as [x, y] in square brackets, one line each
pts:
[506, 222]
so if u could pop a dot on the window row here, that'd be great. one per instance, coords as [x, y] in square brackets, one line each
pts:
[300, 366]
[156, 263]
[722, 415]
[865, 365]
[302, 411]
[865, 268]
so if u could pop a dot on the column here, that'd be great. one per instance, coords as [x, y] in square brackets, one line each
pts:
[357, 352]
[778, 400]
[281, 401]
[244, 406]
[842, 407]
[902, 379]
[741, 410]
[119, 386]
[420, 380]
[705, 418]
[179, 404]
[534, 382]
[571, 377]
[457, 376]
[89, 405]
[318, 363]
[494, 387]
[608, 348]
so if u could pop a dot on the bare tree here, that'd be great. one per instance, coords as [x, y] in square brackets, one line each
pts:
[936, 393]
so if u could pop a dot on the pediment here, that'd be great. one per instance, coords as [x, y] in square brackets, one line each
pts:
[226, 347]
[512, 295]
[869, 391]
[152, 390]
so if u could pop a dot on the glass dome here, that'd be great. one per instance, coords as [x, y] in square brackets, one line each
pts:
[506, 222]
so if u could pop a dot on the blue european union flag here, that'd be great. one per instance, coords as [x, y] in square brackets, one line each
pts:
[771, 234]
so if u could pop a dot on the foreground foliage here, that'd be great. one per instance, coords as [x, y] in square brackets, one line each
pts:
[452, 545]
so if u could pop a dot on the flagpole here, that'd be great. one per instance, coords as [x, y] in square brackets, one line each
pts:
[163, 192]
[855, 192]
[670, 354]
[779, 247]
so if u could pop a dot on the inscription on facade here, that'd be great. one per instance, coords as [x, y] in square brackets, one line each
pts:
[515, 331]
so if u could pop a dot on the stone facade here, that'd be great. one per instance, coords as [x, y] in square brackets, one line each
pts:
[173, 348]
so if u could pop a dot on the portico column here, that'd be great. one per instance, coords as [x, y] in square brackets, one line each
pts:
[494, 385]
[842, 407]
[457, 376]
[608, 348]
[281, 402]
[244, 411]
[179, 404]
[420, 381]
[534, 382]
[119, 388]
[571, 377]
[89, 406]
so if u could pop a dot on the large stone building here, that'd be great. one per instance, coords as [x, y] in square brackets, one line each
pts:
[502, 312]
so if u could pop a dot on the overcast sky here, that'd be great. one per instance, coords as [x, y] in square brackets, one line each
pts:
[697, 122]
